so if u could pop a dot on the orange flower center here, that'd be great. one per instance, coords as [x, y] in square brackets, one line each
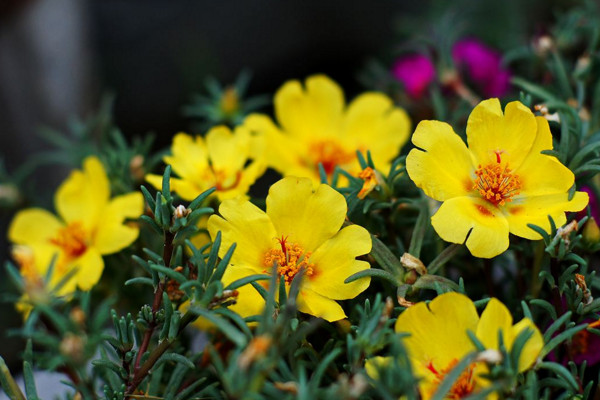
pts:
[71, 239]
[329, 153]
[463, 386]
[224, 182]
[581, 340]
[290, 259]
[496, 183]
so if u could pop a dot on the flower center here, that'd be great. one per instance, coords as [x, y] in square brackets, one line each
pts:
[71, 239]
[224, 182]
[463, 386]
[496, 183]
[329, 153]
[290, 259]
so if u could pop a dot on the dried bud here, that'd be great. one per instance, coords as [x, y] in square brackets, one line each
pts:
[543, 110]
[289, 387]
[543, 45]
[343, 326]
[591, 232]
[581, 285]
[358, 385]
[565, 231]
[136, 167]
[9, 194]
[413, 263]
[490, 356]
[78, 316]
[256, 349]
[72, 347]
[405, 303]
[371, 179]
[181, 211]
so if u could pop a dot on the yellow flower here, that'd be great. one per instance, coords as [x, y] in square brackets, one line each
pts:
[89, 224]
[438, 341]
[300, 230]
[316, 127]
[218, 161]
[497, 185]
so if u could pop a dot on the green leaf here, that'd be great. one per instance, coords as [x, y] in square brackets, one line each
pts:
[452, 376]
[176, 358]
[246, 280]
[8, 383]
[384, 257]
[562, 373]
[224, 326]
[373, 272]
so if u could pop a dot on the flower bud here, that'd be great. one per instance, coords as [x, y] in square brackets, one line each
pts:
[591, 232]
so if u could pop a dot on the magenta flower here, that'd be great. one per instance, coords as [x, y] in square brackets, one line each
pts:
[482, 65]
[593, 204]
[416, 72]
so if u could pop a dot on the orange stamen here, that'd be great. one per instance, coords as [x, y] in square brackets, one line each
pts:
[71, 239]
[496, 183]
[290, 260]
[463, 386]
[330, 154]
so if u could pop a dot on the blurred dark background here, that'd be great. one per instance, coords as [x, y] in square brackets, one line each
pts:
[57, 57]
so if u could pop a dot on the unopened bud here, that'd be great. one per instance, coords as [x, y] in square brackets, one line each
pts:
[413, 263]
[591, 232]
[230, 101]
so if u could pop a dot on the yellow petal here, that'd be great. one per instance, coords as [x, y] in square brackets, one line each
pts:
[461, 215]
[375, 124]
[33, 225]
[189, 158]
[112, 234]
[278, 146]
[248, 226]
[313, 111]
[542, 175]
[83, 196]
[535, 210]
[335, 260]
[375, 364]
[228, 151]
[249, 301]
[311, 302]
[306, 217]
[495, 318]
[533, 346]
[88, 270]
[443, 170]
[490, 131]
[438, 333]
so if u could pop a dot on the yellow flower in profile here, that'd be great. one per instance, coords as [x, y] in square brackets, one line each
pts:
[499, 184]
[315, 126]
[222, 161]
[299, 231]
[438, 341]
[89, 225]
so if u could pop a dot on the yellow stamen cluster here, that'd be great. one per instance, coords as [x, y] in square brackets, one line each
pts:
[290, 259]
[72, 239]
[329, 153]
[462, 387]
[496, 183]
